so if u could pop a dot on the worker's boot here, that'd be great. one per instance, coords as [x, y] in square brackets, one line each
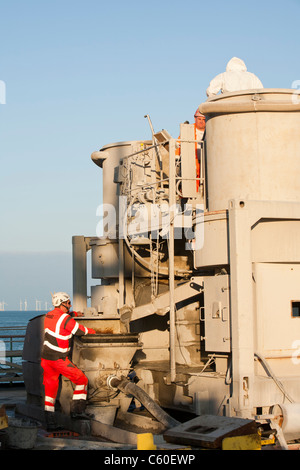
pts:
[51, 423]
[77, 410]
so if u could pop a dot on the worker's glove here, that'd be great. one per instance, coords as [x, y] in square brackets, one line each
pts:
[78, 314]
[91, 331]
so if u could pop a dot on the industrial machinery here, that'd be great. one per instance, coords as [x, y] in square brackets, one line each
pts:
[197, 274]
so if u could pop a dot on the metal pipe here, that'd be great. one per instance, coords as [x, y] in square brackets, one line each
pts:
[172, 201]
[154, 141]
[121, 273]
[130, 388]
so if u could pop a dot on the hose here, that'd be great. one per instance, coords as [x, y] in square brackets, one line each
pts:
[272, 375]
[130, 388]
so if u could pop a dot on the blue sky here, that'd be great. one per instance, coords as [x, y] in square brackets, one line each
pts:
[82, 74]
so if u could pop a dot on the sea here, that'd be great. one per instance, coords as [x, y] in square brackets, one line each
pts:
[13, 324]
[13, 318]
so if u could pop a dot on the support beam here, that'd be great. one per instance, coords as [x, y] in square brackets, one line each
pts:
[241, 309]
[79, 250]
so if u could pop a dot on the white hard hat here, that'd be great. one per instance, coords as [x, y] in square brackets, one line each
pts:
[59, 297]
[198, 114]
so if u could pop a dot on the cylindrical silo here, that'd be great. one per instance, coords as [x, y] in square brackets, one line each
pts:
[253, 146]
[109, 261]
[108, 158]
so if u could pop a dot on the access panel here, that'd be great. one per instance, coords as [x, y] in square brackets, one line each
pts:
[216, 313]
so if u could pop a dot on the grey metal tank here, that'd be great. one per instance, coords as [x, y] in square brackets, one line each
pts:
[253, 146]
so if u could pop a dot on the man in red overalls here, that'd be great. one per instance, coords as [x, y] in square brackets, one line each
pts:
[199, 129]
[59, 328]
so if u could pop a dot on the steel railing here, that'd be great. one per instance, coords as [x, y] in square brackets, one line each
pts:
[11, 351]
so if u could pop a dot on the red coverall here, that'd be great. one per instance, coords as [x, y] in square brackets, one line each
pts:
[59, 328]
